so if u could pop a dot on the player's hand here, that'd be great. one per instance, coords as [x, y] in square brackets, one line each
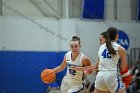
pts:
[92, 68]
[87, 71]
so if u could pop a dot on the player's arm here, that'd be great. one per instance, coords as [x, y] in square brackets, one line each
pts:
[61, 67]
[124, 70]
[85, 62]
[92, 68]
[95, 66]
[122, 54]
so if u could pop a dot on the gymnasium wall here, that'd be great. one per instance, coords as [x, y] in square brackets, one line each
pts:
[27, 46]
[90, 31]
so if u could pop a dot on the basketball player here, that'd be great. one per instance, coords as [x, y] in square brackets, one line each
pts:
[126, 77]
[109, 53]
[101, 41]
[73, 80]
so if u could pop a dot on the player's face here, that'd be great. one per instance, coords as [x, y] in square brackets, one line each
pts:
[101, 39]
[74, 46]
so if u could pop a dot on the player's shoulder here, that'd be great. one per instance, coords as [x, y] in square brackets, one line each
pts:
[103, 45]
[120, 48]
[115, 44]
[86, 61]
[69, 52]
[85, 57]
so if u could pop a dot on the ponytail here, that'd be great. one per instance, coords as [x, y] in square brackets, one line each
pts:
[109, 45]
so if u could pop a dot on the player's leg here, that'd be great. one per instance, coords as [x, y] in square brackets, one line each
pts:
[63, 88]
[121, 91]
[100, 86]
[98, 91]
[114, 83]
[91, 89]
[64, 85]
[76, 89]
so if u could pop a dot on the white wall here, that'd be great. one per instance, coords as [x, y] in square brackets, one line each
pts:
[124, 10]
[111, 9]
[17, 33]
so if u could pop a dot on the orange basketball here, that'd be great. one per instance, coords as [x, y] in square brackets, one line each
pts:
[48, 76]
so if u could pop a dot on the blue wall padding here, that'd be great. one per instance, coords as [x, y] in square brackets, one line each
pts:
[20, 70]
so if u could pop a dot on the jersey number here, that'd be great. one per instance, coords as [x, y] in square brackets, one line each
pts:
[72, 72]
[106, 54]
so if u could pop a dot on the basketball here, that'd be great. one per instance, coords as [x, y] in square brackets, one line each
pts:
[48, 76]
